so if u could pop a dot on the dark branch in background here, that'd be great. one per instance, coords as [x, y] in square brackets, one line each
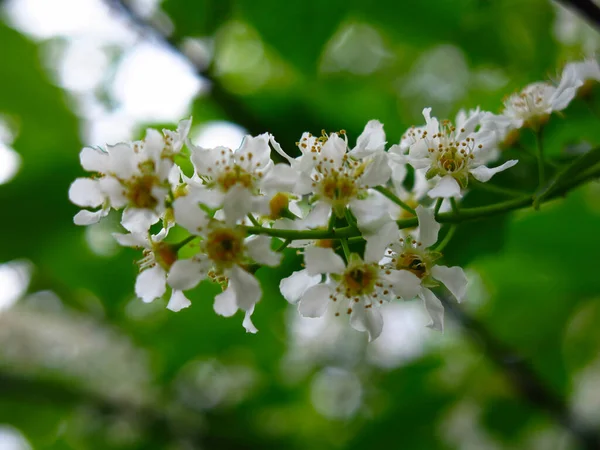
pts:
[234, 109]
[587, 8]
[523, 378]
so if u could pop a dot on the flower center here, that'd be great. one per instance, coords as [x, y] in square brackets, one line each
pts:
[139, 191]
[234, 175]
[359, 280]
[225, 246]
[414, 263]
[338, 188]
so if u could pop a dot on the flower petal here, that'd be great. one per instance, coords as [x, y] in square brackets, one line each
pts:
[138, 220]
[483, 173]
[404, 283]
[246, 286]
[293, 287]
[86, 192]
[314, 301]
[322, 260]
[151, 284]
[132, 240]
[367, 319]
[454, 279]
[94, 160]
[378, 242]
[259, 249]
[185, 274]
[428, 227]
[189, 215]
[178, 301]
[434, 308]
[446, 187]
[85, 217]
[371, 140]
[237, 204]
[318, 217]
[225, 303]
[247, 323]
[377, 172]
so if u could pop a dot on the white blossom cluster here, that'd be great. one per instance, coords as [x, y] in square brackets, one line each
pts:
[238, 205]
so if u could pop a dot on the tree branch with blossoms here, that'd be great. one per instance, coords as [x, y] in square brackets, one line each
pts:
[236, 201]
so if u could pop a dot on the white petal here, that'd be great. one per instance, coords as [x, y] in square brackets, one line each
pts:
[404, 283]
[334, 149]
[237, 204]
[454, 279]
[293, 287]
[86, 192]
[428, 227]
[113, 189]
[247, 323]
[483, 173]
[377, 243]
[281, 178]
[189, 215]
[225, 303]
[138, 220]
[259, 249]
[377, 172]
[279, 150]
[371, 140]
[246, 286]
[132, 240]
[94, 160]
[185, 274]
[151, 284]
[318, 216]
[323, 260]
[178, 301]
[446, 187]
[85, 217]
[371, 212]
[314, 301]
[258, 147]
[399, 173]
[122, 160]
[434, 308]
[367, 319]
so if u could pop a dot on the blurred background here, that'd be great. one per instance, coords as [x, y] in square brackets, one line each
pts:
[85, 365]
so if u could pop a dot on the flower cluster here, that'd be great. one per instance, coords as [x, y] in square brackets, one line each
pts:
[328, 199]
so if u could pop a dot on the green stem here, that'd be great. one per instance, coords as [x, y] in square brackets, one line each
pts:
[284, 245]
[255, 222]
[346, 248]
[393, 197]
[179, 245]
[455, 209]
[540, 157]
[331, 224]
[464, 215]
[447, 238]
[438, 205]
[349, 217]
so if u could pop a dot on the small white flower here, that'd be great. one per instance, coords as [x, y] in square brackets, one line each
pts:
[137, 176]
[356, 289]
[337, 176]
[159, 258]
[578, 78]
[224, 255]
[451, 155]
[413, 253]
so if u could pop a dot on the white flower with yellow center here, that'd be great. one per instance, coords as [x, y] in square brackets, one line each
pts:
[339, 177]
[225, 255]
[136, 176]
[240, 181]
[414, 253]
[151, 283]
[451, 155]
[356, 289]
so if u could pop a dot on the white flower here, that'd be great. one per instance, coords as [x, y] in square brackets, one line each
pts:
[578, 78]
[240, 181]
[339, 177]
[413, 253]
[159, 257]
[137, 176]
[356, 289]
[451, 155]
[224, 256]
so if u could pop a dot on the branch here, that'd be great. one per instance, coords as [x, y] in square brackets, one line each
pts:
[587, 8]
[523, 377]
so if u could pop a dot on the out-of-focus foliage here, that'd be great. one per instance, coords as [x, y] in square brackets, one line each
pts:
[79, 356]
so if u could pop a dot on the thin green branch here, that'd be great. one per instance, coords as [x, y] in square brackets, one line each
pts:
[455, 208]
[393, 197]
[179, 245]
[540, 157]
[496, 189]
[283, 245]
[438, 205]
[447, 238]
[346, 248]
[255, 222]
